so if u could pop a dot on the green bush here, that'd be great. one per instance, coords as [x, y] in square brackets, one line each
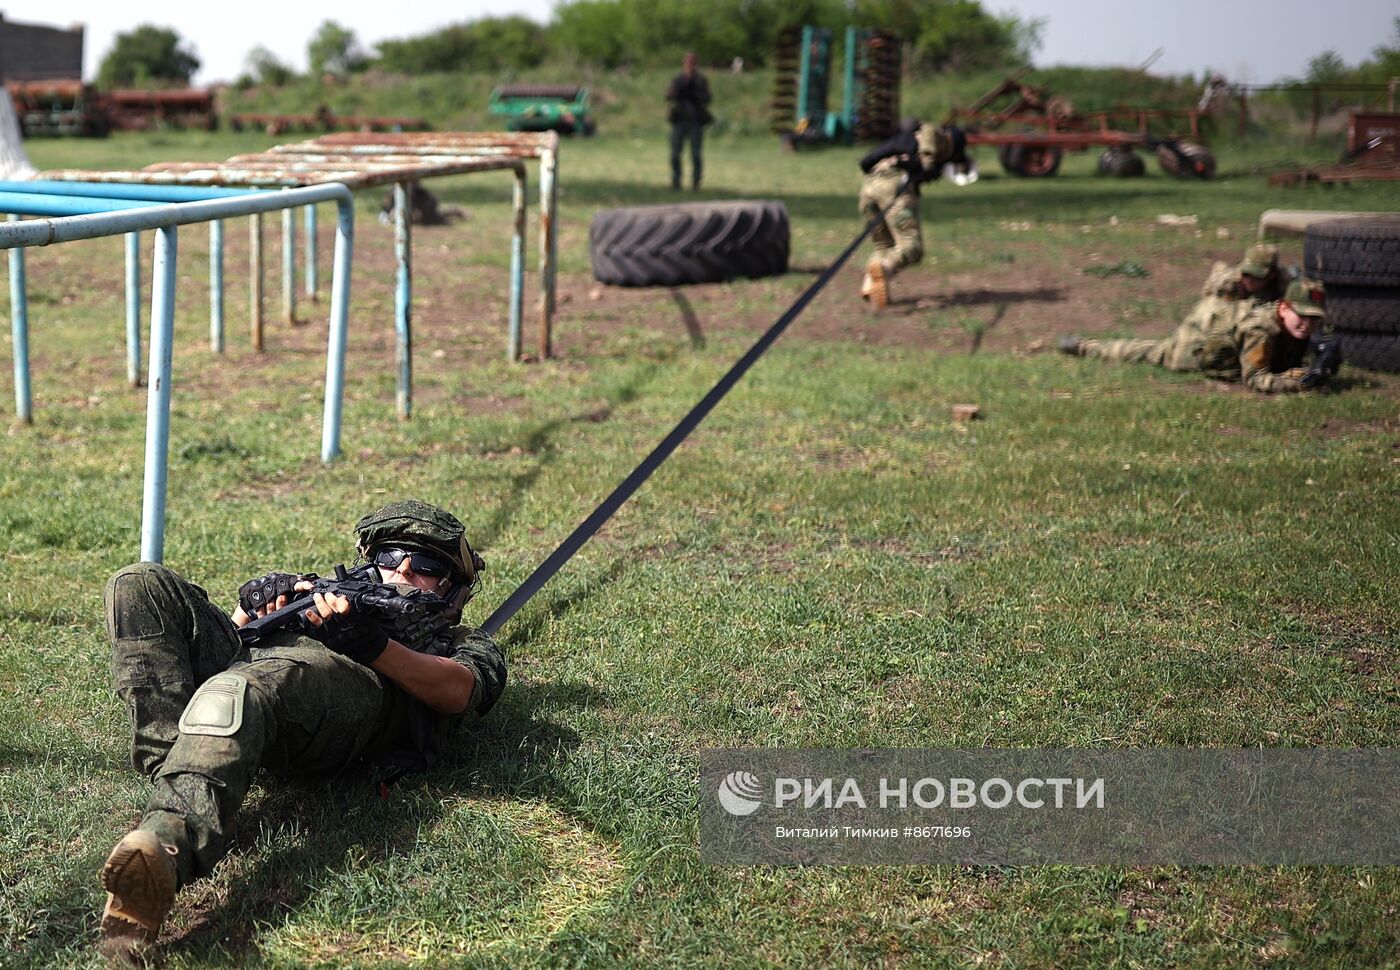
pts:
[493, 44]
[144, 55]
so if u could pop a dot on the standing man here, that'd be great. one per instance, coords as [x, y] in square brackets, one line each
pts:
[893, 173]
[1262, 345]
[689, 95]
[331, 691]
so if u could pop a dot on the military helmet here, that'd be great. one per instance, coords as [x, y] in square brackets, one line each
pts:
[427, 528]
[1260, 260]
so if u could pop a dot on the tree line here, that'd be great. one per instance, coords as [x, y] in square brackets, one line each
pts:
[942, 35]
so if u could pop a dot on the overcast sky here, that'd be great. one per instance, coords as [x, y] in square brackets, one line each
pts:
[1251, 41]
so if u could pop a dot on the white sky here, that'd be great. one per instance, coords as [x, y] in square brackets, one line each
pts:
[1251, 41]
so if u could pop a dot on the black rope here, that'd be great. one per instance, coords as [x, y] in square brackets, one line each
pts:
[661, 452]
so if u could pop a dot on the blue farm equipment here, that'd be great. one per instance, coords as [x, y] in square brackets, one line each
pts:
[803, 76]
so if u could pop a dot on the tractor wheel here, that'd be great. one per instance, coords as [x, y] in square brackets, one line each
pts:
[1371, 351]
[1186, 160]
[698, 242]
[1030, 161]
[1364, 251]
[1122, 163]
[1365, 309]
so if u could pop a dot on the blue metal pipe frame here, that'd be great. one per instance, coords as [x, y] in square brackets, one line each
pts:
[133, 308]
[107, 216]
[289, 266]
[19, 334]
[403, 295]
[517, 262]
[216, 286]
[311, 280]
[142, 193]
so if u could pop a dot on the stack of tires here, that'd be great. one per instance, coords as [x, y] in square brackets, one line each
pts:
[1358, 261]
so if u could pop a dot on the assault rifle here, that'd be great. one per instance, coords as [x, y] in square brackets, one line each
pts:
[412, 618]
[1327, 359]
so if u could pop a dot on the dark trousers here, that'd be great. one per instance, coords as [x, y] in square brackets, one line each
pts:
[695, 133]
[305, 710]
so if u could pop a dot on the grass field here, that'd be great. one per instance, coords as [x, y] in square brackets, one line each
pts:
[1113, 556]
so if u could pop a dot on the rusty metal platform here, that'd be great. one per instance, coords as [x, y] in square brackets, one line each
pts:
[272, 170]
[364, 160]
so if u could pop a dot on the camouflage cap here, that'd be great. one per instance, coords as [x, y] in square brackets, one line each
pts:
[1306, 298]
[418, 525]
[1260, 260]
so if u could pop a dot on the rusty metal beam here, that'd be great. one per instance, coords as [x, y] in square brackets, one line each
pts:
[362, 160]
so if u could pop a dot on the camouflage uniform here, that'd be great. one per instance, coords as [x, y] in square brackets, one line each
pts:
[305, 710]
[898, 239]
[1260, 261]
[207, 712]
[1233, 340]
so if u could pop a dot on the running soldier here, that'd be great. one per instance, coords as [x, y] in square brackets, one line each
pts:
[893, 174]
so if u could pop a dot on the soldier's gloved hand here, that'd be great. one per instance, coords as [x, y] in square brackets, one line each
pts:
[260, 595]
[335, 623]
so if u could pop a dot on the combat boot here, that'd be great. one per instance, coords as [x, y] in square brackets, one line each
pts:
[1071, 345]
[140, 877]
[878, 290]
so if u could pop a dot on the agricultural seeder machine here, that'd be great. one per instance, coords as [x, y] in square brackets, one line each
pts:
[1032, 129]
[802, 81]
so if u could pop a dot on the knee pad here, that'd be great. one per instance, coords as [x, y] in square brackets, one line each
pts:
[132, 605]
[216, 709]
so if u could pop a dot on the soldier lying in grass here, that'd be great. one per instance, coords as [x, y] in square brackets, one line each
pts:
[329, 692]
[1264, 345]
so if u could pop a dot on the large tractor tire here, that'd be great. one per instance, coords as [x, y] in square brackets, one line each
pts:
[698, 242]
[1364, 251]
[1365, 309]
[1030, 161]
[1186, 160]
[1371, 351]
[1121, 163]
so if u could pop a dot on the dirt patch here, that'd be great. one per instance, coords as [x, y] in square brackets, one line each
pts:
[460, 311]
[1345, 428]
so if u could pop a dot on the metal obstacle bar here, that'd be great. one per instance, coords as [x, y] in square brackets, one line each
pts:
[140, 194]
[426, 144]
[399, 165]
[110, 217]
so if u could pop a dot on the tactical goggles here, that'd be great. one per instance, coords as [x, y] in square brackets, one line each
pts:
[422, 563]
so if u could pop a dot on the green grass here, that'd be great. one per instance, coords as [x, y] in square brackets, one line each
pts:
[1112, 557]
